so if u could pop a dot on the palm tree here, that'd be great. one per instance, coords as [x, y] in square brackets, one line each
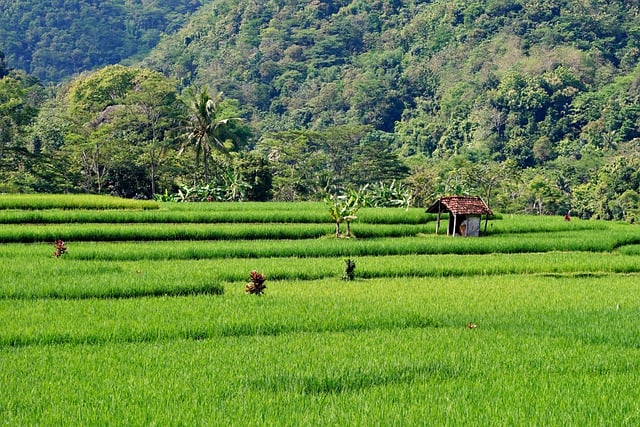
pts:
[206, 130]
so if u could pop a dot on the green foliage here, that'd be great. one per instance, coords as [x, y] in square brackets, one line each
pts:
[60, 38]
[209, 126]
[20, 97]
[4, 69]
[112, 131]
[381, 194]
[343, 208]
[443, 97]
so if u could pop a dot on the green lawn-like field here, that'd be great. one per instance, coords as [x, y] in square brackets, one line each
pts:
[145, 319]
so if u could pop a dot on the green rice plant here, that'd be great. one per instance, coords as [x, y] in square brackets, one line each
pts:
[245, 206]
[236, 244]
[315, 210]
[116, 232]
[59, 216]
[394, 352]
[536, 224]
[395, 303]
[71, 201]
[446, 375]
[66, 279]
[550, 264]
[632, 249]
[75, 279]
[228, 213]
[143, 332]
[58, 321]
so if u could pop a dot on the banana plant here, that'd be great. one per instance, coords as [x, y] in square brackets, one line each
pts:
[343, 208]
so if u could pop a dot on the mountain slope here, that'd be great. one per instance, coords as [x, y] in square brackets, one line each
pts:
[276, 52]
[542, 95]
[55, 39]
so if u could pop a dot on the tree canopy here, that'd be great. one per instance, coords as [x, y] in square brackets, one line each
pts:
[540, 96]
[55, 39]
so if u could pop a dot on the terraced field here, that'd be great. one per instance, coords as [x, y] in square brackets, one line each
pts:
[145, 319]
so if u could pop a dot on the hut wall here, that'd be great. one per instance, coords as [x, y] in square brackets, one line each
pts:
[472, 225]
[464, 225]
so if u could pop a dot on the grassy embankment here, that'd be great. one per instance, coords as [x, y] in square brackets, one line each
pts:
[145, 319]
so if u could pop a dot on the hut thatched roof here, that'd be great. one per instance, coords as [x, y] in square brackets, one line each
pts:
[460, 205]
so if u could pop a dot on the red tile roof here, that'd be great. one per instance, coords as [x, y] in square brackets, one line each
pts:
[463, 205]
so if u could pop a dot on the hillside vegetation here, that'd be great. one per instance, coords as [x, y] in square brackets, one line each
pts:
[54, 39]
[533, 105]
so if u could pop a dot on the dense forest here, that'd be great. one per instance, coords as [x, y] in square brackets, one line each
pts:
[531, 104]
[55, 39]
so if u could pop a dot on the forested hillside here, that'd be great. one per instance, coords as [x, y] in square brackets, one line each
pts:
[55, 39]
[551, 86]
[532, 104]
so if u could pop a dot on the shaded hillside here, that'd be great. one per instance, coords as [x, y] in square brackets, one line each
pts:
[54, 39]
[445, 70]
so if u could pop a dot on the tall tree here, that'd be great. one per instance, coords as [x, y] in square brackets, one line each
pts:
[208, 127]
[122, 120]
[153, 106]
[18, 108]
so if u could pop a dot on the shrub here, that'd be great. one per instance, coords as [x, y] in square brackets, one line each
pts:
[349, 270]
[60, 249]
[256, 283]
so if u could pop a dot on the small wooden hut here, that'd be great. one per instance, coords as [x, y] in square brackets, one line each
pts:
[465, 214]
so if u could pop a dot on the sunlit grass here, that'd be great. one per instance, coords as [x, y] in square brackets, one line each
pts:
[230, 214]
[235, 241]
[562, 351]
[71, 201]
[335, 305]
[157, 329]
[69, 278]
[144, 232]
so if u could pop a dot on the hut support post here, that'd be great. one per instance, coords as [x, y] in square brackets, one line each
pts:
[438, 221]
[455, 224]
[486, 221]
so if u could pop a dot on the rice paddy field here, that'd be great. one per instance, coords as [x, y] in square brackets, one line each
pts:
[145, 319]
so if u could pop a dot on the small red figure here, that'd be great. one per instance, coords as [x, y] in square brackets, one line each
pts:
[567, 217]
